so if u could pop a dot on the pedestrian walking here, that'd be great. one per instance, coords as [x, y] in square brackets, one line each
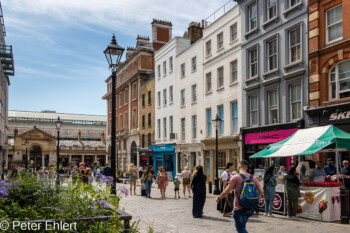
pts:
[293, 192]
[186, 181]
[199, 192]
[140, 171]
[269, 190]
[74, 174]
[162, 181]
[227, 205]
[242, 183]
[51, 175]
[107, 170]
[149, 175]
[133, 177]
[177, 186]
[89, 175]
[83, 176]
[14, 172]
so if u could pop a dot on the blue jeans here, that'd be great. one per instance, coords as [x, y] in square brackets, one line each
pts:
[241, 218]
[268, 206]
[148, 187]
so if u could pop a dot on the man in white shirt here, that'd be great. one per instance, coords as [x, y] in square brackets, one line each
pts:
[225, 178]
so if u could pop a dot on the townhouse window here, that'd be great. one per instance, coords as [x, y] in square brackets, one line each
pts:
[221, 161]
[271, 9]
[208, 48]
[171, 124]
[335, 23]
[194, 93]
[253, 62]
[194, 63]
[120, 121]
[135, 66]
[209, 122]
[233, 66]
[126, 96]
[134, 91]
[233, 30]
[159, 99]
[134, 118]
[149, 139]
[293, 2]
[220, 77]
[158, 71]
[164, 68]
[143, 140]
[183, 97]
[143, 100]
[220, 40]
[194, 127]
[273, 107]
[171, 94]
[295, 101]
[183, 132]
[208, 82]
[149, 98]
[221, 116]
[126, 120]
[339, 80]
[234, 117]
[143, 121]
[183, 70]
[253, 110]
[294, 45]
[121, 99]
[252, 14]
[159, 129]
[170, 64]
[164, 97]
[110, 106]
[272, 54]
[116, 101]
[124, 144]
[149, 120]
[164, 128]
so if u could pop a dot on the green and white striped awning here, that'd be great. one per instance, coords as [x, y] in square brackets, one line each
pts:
[307, 142]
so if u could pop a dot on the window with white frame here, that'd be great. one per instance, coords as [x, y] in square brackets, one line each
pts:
[194, 127]
[220, 40]
[171, 94]
[121, 99]
[126, 96]
[159, 129]
[271, 9]
[293, 2]
[170, 64]
[253, 110]
[220, 77]
[183, 129]
[233, 30]
[220, 111]
[159, 99]
[164, 128]
[194, 63]
[134, 118]
[335, 23]
[134, 91]
[135, 66]
[295, 101]
[339, 80]
[209, 122]
[272, 54]
[208, 82]
[273, 107]
[158, 71]
[126, 120]
[208, 47]
[294, 45]
[183, 70]
[171, 124]
[164, 97]
[183, 97]
[164, 68]
[253, 62]
[252, 14]
[234, 117]
[233, 66]
[120, 121]
[194, 93]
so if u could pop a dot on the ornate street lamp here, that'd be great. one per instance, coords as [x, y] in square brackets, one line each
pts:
[217, 121]
[113, 54]
[58, 127]
[26, 143]
[117, 148]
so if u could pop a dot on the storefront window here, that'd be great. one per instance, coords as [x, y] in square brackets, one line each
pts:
[221, 161]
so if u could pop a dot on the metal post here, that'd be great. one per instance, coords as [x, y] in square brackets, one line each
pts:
[113, 132]
[26, 156]
[58, 159]
[216, 190]
[344, 205]
[2, 158]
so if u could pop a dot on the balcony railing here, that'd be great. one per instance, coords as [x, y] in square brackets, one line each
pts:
[6, 58]
[220, 12]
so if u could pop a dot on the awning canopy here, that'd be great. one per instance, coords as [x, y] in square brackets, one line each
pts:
[307, 142]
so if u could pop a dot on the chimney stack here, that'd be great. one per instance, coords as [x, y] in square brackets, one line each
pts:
[161, 33]
[195, 32]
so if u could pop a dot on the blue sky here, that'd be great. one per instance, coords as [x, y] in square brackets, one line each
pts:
[58, 46]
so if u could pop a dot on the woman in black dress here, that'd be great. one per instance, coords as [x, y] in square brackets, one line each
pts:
[199, 192]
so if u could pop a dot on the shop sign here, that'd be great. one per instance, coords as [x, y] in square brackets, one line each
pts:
[268, 136]
[261, 202]
[277, 202]
[340, 116]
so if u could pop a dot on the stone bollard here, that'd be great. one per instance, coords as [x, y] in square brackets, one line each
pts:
[344, 205]
[210, 187]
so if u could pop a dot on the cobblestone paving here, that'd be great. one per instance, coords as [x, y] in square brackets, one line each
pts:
[175, 216]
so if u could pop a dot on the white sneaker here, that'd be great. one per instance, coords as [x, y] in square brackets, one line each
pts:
[269, 215]
[265, 214]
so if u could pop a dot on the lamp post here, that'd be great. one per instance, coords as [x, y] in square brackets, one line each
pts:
[217, 121]
[26, 143]
[113, 54]
[58, 127]
[117, 148]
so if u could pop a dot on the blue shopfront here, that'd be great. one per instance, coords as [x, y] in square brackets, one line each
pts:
[164, 156]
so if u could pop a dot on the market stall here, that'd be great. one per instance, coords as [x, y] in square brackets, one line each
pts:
[314, 194]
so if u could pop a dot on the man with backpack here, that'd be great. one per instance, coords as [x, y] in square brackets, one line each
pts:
[247, 192]
[228, 201]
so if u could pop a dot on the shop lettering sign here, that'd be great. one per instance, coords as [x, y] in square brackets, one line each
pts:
[340, 116]
[268, 136]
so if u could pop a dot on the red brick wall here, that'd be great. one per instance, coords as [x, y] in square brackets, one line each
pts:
[163, 34]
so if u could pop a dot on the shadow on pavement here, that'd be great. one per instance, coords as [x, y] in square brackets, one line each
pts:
[215, 219]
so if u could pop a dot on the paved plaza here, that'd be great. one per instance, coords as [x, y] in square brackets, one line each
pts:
[174, 215]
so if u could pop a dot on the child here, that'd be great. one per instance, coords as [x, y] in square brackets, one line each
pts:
[177, 186]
